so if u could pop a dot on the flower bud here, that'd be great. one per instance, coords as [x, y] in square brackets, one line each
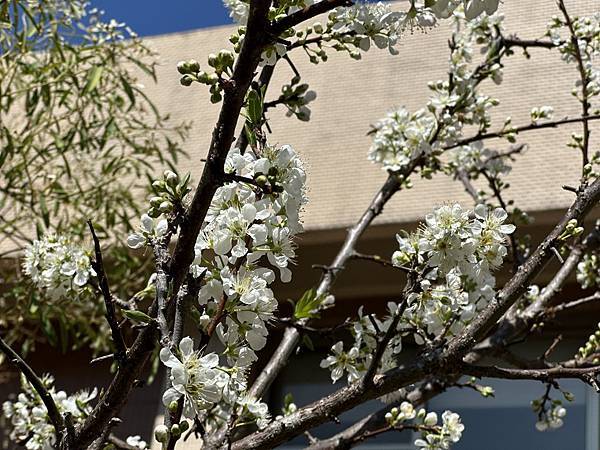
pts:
[156, 201]
[213, 78]
[175, 430]
[171, 177]
[159, 185]
[212, 60]
[165, 207]
[193, 66]
[161, 434]
[184, 425]
[173, 406]
[430, 419]
[186, 80]
[182, 67]
[261, 180]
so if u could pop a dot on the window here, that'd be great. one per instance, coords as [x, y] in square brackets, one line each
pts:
[508, 422]
[501, 423]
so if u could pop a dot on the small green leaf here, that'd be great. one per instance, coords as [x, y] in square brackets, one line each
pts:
[308, 305]
[254, 108]
[128, 91]
[93, 79]
[138, 316]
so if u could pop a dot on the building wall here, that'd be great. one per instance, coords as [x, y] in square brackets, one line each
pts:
[354, 94]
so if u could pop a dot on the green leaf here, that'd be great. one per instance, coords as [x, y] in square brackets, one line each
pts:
[308, 305]
[93, 79]
[254, 108]
[138, 316]
[128, 91]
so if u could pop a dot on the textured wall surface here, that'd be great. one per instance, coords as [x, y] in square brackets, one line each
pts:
[354, 94]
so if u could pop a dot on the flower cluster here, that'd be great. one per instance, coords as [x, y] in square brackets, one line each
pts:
[403, 137]
[251, 223]
[433, 436]
[444, 436]
[549, 416]
[57, 265]
[454, 254]
[587, 34]
[210, 392]
[455, 251]
[588, 271]
[475, 158]
[367, 330]
[28, 415]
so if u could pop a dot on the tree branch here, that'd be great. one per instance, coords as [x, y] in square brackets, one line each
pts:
[98, 265]
[53, 414]
[585, 103]
[517, 130]
[585, 374]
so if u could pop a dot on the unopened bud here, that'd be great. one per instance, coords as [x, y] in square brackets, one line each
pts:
[156, 201]
[186, 80]
[175, 430]
[165, 207]
[212, 60]
[161, 433]
[171, 177]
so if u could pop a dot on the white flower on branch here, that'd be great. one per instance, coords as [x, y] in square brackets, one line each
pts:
[29, 418]
[150, 229]
[193, 376]
[57, 265]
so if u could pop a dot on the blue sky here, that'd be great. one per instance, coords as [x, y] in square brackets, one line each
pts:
[149, 17]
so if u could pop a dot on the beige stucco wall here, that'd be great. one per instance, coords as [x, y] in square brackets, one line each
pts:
[354, 94]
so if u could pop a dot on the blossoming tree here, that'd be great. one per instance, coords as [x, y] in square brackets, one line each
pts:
[218, 248]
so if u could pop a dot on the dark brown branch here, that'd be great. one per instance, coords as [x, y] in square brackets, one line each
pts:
[513, 41]
[53, 414]
[111, 318]
[585, 103]
[212, 177]
[517, 130]
[573, 304]
[585, 374]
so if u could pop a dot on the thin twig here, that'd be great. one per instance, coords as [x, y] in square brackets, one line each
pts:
[37, 384]
[517, 130]
[585, 103]
[98, 265]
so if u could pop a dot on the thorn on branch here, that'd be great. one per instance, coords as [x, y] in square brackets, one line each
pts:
[570, 189]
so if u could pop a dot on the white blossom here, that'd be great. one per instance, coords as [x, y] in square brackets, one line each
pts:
[28, 416]
[150, 229]
[193, 376]
[57, 265]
